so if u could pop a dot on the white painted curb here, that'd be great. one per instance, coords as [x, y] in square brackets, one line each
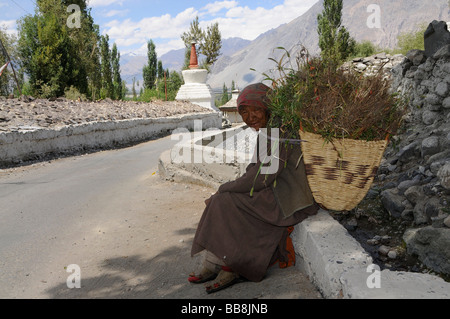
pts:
[25, 145]
[340, 268]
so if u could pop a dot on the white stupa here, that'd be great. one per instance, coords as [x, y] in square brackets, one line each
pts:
[195, 88]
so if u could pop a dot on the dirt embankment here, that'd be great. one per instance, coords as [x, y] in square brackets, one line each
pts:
[28, 113]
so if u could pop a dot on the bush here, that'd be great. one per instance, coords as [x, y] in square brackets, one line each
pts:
[174, 82]
[73, 94]
[46, 90]
[148, 95]
[27, 89]
[411, 40]
[364, 49]
[328, 101]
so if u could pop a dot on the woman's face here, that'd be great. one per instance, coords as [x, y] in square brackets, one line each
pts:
[254, 116]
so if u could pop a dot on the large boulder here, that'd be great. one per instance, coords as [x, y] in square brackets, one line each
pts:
[393, 202]
[435, 37]
[444, 175]
[431, 245]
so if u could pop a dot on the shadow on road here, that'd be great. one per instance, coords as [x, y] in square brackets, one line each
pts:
[164, 276]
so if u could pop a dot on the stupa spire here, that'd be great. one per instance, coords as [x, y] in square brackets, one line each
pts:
[193, 63]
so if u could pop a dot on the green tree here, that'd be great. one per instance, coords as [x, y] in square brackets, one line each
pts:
[174, 80]
[150, 70]
[56, 56]
[124, 89]
[133, 90]
[45, 52]
[117, 80]
[411, 40]
[224, 98]
[7, 81]
[233, 87]
[86, 47]
[187, 58]
[208, 43]
[335, 42]
[195, 34]
[212, 44]
[160, 70]
[107, 90]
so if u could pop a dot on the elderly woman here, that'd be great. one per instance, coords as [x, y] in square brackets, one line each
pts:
[244, 227]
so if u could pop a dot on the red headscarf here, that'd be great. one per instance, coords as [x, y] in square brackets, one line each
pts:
[254, 94]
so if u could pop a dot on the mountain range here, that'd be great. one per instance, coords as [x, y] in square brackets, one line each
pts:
[245, 62]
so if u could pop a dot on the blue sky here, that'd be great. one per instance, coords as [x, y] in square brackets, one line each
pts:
[131, 23]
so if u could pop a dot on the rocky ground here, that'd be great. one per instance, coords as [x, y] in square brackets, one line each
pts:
[29, 113]
[381, 235]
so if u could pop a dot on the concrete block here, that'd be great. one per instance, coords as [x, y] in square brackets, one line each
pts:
[325, 251]
[394, 285]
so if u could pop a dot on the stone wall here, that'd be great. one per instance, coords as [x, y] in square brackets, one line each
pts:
[415, 173]
[380, 62]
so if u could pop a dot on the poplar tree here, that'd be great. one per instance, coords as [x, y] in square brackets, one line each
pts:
[106, 70]
[150, 70]
[335, 42]
[85, 45]
[133, 90]
[160, 70]
[224, 98]
[117, 80]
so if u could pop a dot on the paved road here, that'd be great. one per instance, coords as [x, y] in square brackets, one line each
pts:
[109, 213]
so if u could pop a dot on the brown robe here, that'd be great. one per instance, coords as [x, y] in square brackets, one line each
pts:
[248, 233]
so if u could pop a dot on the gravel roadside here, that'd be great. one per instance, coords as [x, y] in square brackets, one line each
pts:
[27, 113]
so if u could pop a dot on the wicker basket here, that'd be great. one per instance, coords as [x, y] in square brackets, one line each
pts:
[340, 173]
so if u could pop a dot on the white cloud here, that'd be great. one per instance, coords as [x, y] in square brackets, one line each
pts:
[10, 25]
[215, 7]
[249, 23]
[112, 13]
[234, 21]
[128, 32]
[104, 3]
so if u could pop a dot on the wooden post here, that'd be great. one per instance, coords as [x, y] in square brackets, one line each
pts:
[12, 67]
